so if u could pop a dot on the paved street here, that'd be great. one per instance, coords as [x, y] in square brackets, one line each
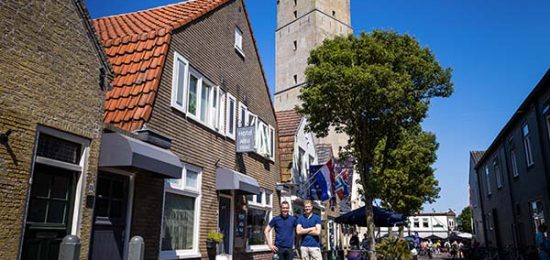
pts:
[436, 256]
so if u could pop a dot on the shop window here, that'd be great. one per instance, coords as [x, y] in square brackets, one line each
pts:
[180, 219]
[258, 215]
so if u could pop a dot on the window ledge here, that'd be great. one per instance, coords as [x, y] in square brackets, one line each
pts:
[240, 51]
[175, 255]
[262, 248]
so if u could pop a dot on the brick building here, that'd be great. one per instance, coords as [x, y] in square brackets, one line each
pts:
[52, 92]
[191, 72]
[513, 178]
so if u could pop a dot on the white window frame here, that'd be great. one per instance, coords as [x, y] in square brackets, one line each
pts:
[488, 180]
[498, 172]
[178, 187]
[513, 158]
[176, 74]
[527, 145]
[243, 109]
[252, 119]
[272, 137]
[239, 40]
[211, 120]
[231, 98]
[262, 206]
[222, 104]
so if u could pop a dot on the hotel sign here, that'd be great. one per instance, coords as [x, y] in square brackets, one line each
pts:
[246, 139]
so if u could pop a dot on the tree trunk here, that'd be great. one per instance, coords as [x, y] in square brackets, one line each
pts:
[401, 229]
[370, 227]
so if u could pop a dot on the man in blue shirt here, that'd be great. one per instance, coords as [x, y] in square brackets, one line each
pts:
[284, 226]
[309, 228]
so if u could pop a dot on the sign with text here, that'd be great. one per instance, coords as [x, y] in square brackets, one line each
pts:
[246, 139]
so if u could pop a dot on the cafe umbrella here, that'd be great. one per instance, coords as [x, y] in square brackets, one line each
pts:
[382, 218]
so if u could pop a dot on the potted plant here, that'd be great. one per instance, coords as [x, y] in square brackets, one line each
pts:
[212, 240]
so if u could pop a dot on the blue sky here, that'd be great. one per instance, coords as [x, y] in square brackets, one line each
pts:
[498, 50]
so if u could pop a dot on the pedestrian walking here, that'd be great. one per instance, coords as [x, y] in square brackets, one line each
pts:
[285, 226]
[309, 228]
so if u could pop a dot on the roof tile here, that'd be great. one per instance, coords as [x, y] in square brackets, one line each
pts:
[137, 45]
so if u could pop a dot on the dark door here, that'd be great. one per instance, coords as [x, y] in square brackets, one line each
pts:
[49, 213]
[109, 230]
[224, 222]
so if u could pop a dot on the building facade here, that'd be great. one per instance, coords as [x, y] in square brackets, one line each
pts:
[436, 225]
[191, 72]
[513, 177]
[54, 79]
[478, 227]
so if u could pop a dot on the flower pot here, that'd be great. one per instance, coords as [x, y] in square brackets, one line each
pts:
[211, 249]
[211, 244]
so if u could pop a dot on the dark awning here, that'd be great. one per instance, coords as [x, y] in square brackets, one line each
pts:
[120, 151]
[227, 179]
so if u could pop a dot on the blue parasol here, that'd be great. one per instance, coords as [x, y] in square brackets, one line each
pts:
[382, 218]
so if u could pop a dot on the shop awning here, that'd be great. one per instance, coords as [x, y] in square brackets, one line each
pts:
[120, 151]
[227, 179]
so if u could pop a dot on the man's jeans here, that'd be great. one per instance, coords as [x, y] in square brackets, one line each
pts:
[285, 253]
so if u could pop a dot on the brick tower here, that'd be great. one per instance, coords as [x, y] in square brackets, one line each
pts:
[301, 26]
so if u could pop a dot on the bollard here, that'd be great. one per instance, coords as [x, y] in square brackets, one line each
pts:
[69, 248]
[136, 248]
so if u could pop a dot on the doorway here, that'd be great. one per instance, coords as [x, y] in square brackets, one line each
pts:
[50, 212]
[225, 223]
[109, 233]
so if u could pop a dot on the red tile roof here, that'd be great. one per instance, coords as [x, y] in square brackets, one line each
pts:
[137, 45]
[287, 125]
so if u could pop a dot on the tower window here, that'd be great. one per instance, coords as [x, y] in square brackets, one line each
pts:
[295, 45]
[333, 13]
[295, 14]
[295, 79]
[295, 2]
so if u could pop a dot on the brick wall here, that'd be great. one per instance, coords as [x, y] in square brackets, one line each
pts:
[208, 44]
[49, 74]
[147, 211]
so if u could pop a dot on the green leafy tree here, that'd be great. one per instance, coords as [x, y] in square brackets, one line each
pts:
[408, 181]
[371, 87]
[465, 220]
